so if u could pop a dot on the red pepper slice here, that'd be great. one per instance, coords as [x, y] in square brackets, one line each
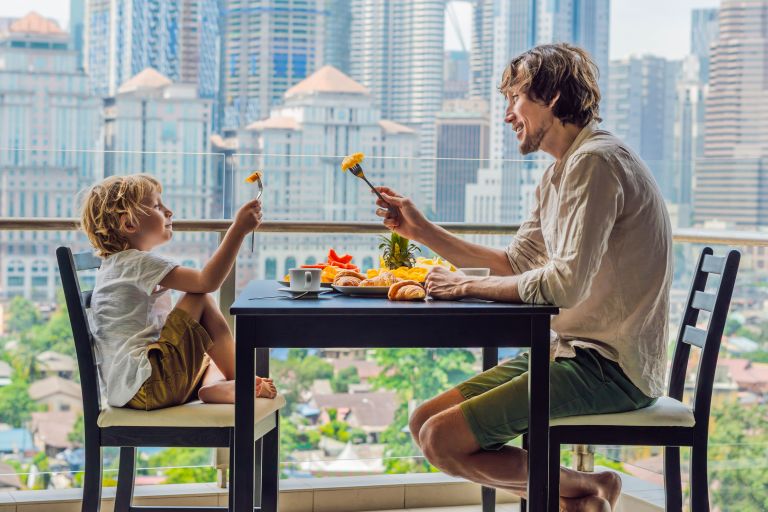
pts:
[333, 256]
[320, 266]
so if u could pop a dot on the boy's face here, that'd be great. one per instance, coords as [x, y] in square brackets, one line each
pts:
[154, 226]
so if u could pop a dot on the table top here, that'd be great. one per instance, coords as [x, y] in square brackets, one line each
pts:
[334, 303]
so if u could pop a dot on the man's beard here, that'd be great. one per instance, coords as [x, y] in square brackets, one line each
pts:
[531, 144]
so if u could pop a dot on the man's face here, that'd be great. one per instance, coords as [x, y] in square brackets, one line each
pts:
[530, 120]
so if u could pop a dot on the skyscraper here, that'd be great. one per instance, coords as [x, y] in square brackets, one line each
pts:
[704, 28]
[640, 110]
[462, 145]
[504, 29]
[51, 148]
[77, 27]
[268, 46]
[179, 38]
[731, 181]
[397, 53]
[456, 75]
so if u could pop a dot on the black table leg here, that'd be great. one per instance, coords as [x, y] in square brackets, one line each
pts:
[488, 494]
[244, 383]
[538, 414]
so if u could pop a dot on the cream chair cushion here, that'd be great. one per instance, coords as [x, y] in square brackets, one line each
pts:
[193, 414]
[666, 412]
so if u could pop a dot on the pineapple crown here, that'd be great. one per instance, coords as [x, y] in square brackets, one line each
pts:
[398, 251]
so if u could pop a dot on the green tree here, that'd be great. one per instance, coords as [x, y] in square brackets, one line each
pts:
[340, 430]
[738, 444]
[731, 326]
[77, 436]
[186, 465]
[15, 403]
[295, 375]
[341, 381]
[22, 315]
[416, 374]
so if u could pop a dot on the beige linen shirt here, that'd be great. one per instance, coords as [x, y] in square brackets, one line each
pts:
[598, 245]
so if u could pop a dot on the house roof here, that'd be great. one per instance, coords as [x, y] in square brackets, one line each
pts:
[15, 439]
[44, 388]
[33, 23]
[327, 79]
[745, 372]
[53, 428]
[375, 409]
[148, 78]
[51, 361]
[8, 476]
[393, 127]
[275, 123]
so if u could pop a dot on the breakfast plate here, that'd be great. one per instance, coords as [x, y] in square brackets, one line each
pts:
[363, 291]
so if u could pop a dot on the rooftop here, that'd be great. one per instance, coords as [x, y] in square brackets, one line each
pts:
[34, 23]
[327, 79]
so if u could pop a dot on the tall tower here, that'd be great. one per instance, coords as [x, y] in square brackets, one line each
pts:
[704, 29]
[397, 52]
[268, 46]
[179, 38]
[731, 181]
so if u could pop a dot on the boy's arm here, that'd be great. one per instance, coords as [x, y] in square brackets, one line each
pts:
[210, 278]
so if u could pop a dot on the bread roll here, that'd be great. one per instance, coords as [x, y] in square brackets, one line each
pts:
[407, 290]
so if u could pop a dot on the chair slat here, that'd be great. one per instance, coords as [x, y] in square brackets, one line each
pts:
[86, 261]
[713, 264]
[704, 300]
[694, 336]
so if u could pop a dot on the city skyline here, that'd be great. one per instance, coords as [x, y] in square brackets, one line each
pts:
[632, 19]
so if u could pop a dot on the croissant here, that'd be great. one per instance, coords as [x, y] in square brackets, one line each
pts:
[407, 290]
[383, 279]
[347, 281]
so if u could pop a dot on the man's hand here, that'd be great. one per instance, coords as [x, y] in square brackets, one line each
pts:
[247, 218]
[401, 215]
[444, 284]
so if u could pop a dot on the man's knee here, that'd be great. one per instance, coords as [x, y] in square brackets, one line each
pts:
[420, 415]
[435, 442]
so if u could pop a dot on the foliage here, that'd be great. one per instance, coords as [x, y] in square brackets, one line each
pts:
[341, 430]
[295, 375]
[179, 461]
[341, 381]
[416, 374]
[77, 436]
[397, 251]
[22, 315]
[737, 444]
[15, 403]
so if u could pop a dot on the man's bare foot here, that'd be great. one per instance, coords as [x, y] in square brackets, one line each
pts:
[585, 504]
[609, 484]
[265, 388]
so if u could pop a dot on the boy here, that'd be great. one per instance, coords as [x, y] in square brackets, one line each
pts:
[149, 354]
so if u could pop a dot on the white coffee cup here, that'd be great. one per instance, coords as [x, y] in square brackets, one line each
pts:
[475, 272]
[305, 279]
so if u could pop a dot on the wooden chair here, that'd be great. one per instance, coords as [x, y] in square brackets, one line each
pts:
[669, 422]
[193, 425]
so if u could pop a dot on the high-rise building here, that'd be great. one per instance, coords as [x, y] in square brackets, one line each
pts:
[704, 28]
[300, 147]
[397, 53]
[77, 27]
[456, 75]
[462, 148]
[267, 47]
[641, 112]
[336, 40]
[731, 180]
[50, 136]
[179, 38]
[502, 30]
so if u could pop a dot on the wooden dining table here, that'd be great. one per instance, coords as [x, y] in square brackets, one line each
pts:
[267, 318]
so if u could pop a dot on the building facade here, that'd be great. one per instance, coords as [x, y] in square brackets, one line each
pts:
[49, 125]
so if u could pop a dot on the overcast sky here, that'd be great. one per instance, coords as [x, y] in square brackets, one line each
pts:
[658, 27]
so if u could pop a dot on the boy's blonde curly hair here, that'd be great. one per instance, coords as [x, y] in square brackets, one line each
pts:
[110, 204]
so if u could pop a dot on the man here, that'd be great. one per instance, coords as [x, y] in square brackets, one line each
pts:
[597, 244]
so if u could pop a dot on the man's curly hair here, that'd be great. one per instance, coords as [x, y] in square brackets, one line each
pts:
[548, 69]
[109, 205]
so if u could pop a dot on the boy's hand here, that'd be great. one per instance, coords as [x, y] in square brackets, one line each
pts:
[248, 217]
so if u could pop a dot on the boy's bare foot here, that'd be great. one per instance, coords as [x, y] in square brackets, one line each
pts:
[265, 388]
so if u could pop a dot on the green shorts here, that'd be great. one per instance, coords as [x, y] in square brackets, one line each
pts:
[496, 401]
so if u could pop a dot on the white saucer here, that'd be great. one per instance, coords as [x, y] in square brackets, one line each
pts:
[305, 293]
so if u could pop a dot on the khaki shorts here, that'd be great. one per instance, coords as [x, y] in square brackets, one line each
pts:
[496, 401]
[179, 360]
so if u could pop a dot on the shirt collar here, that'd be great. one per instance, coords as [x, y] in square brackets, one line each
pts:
[583, 135]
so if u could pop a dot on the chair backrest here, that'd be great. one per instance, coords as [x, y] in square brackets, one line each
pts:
[77, 304]
[716, 302]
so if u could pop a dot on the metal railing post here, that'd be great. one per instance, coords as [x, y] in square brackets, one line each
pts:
[584, 457]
